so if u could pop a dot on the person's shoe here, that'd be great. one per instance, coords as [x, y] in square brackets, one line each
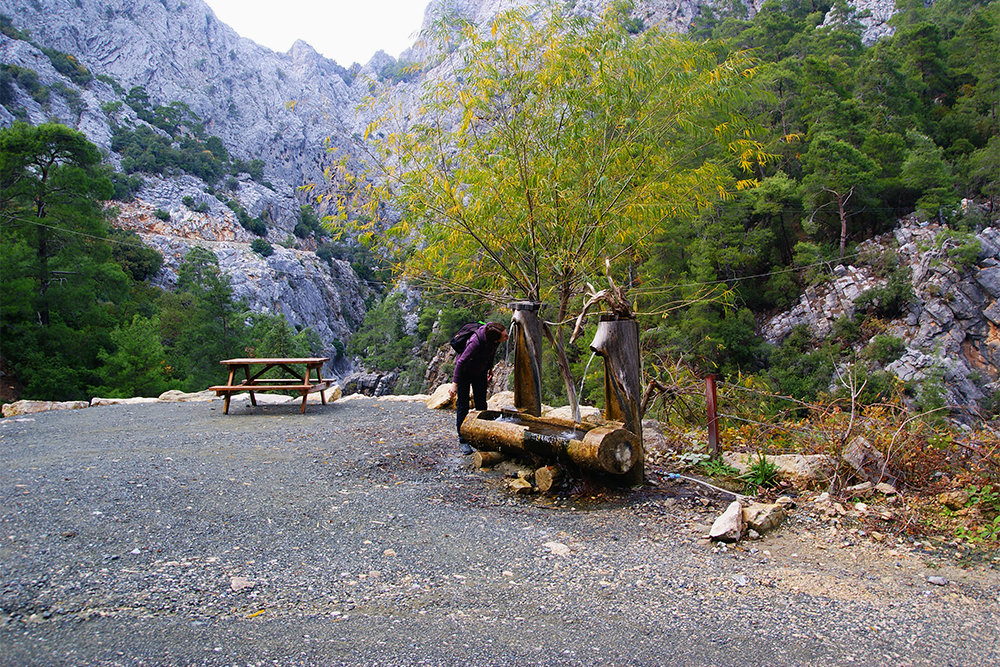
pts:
[465, 447]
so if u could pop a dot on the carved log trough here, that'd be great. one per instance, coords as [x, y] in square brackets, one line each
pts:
[608, 447]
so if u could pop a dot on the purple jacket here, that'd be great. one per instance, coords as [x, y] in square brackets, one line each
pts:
[477, 357]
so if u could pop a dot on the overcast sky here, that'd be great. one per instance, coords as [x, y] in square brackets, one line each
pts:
[347, 31]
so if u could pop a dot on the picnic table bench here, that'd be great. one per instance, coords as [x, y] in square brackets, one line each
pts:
[300, 368]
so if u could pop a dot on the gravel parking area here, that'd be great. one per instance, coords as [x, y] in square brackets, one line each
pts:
[356, 534]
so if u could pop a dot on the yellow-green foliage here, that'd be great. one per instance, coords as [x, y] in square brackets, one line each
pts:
[557, 150]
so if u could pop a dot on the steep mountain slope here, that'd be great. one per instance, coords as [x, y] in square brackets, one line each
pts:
[179, 51]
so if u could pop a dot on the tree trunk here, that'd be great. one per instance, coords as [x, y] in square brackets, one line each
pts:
[564, 370]
[617, 341]
[527, 358]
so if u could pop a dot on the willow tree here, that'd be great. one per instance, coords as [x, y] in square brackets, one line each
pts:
[547, 152]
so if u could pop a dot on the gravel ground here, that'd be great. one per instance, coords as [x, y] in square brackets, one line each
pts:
[171, 534]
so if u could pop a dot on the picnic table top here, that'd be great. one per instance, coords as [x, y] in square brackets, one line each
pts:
[276, 360]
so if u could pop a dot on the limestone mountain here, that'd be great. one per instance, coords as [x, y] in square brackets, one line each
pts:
[284, 110]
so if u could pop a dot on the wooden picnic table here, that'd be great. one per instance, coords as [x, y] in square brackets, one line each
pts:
[301, 381]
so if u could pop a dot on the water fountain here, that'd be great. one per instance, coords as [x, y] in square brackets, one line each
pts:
[613, 445]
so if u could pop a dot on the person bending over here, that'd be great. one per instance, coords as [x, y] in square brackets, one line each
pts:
[474, 368]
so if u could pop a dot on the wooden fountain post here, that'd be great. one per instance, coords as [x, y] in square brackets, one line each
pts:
[527, 358]
[617, 341]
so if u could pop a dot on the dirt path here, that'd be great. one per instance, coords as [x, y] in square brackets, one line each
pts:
[171, 534]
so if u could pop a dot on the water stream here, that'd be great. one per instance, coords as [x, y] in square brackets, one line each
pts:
[579, 395]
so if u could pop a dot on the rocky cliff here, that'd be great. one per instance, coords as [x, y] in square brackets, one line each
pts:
[280, 107]
[950, 326]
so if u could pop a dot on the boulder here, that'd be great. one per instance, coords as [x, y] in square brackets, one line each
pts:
[18, 408]
[441, 399]
[729, 526]
[587, 413]
[500, 400]
[175, 396]
[763, 517]
[866, 461]
[954, 500]
[802, 470]
[94, 402]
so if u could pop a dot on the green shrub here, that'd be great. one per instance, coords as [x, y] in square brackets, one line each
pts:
[890, 300]
[139, 261]
[262, 247]
[763, 474]
[68, 66]
[72, 97]
[884, 349]
[113, 83]
[126, 186]
[399, 70]
[162, 215]
[799, 371]
[382, 342]
[962, 248]
[27, 79]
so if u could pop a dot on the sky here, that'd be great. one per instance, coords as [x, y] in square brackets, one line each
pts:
[347, 31]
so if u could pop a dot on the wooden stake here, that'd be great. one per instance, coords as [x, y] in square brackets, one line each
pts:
[548, 478]
[487, 459]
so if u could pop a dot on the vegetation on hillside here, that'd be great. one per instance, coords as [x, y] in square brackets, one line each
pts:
[77, 319]
[859, 137]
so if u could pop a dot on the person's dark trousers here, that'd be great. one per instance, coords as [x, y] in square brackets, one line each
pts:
[478, 386]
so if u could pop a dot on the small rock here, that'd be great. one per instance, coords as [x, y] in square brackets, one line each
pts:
[238, 584]
[729, 526]
[741, 580]
[937, 581]
[954, 500]
[763, 517]
[859, 489]
[520, 486]
[557, 548]
[886, 489]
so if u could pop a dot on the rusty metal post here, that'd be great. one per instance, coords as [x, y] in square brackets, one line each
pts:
[713, 417]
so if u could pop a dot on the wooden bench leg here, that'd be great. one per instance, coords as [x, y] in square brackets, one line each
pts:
[305, 395]
[225, 406]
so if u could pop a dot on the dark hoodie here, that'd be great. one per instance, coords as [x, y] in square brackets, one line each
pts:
[477, 357]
